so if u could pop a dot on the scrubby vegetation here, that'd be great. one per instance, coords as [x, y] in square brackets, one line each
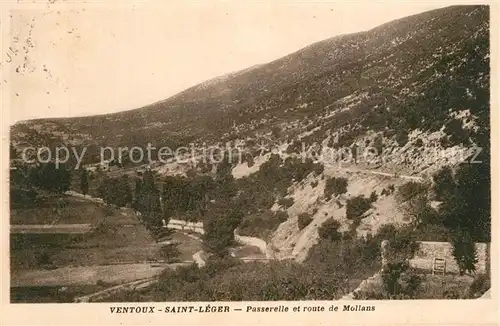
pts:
[410, 190]
[357, 206]
[259, 191]
[335, 186]
[329, 230]
[231, 280]
[262, 224]
[466, 209]
[116, 191]
[451, 78]
[286, 202]
[304, 220]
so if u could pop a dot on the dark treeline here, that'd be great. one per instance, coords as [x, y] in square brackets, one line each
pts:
[27, 181]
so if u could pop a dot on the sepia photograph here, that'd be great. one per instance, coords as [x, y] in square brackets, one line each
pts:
[248, 152]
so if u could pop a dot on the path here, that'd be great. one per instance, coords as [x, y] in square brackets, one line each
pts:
[198, 259]
[85, 197]
[50, 228]
[132, 286]
[254, 242]
[385, 174]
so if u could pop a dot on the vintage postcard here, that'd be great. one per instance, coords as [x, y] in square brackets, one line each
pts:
[249, 162]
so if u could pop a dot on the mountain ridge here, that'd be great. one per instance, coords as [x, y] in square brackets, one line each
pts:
[402, 66]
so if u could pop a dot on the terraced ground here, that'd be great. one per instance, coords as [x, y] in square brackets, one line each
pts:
[108, 246]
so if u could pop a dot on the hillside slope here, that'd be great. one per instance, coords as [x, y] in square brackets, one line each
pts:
[408, 74]
[418, 85]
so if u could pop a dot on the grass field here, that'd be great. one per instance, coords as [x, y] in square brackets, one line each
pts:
[87, 275]
[116, 235]
[108, 243]
[60, 210]
[51, 294]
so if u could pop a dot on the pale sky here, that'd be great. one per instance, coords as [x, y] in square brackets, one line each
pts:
[96, 60]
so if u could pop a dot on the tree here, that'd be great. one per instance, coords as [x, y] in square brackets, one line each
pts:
[84, 182]
[50, 177]
[402, 137]
[147, 200]
[226, 185]
[219, 234]
[400, 282]
[354, 151]
[123, 192]
[458, 135]
[64, 179]
[444, 185]
[468, 207]
[464, 251]
[378, 144]
[221, 219]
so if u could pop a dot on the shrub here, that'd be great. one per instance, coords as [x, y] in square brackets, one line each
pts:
[281, 216]
[357, 206]
[231, 280]
[318, 168]
[295, 147]
[400, 281]
[457, 134]
[335, 186]
[464, 252]
[353, 258]
[410, 190]
[100, 282]
[286, 202]
[402, 138]
[43, 258]
[419, 142]
[451, 294]
[444, 184]
[314, 184]
[373, 196]
[262, 224]
[304, 220]
[402, 242]
[329, 230]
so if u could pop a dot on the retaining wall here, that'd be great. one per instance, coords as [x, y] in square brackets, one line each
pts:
[196, 227]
